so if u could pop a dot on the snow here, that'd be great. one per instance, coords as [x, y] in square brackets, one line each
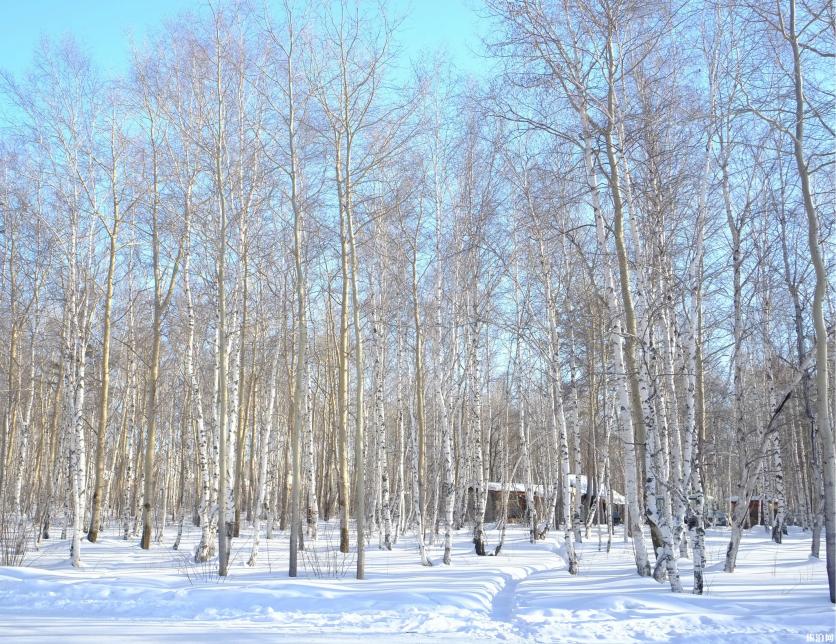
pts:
[778, 593]
[496, 486]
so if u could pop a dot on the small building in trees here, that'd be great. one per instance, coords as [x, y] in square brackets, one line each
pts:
[589, 498]
[761, 510]
[514, 495]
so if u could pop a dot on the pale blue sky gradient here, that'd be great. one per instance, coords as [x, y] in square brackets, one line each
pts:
[104, 27]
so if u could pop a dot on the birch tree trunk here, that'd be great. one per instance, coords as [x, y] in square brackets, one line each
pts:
[625, 402]
[26, 425]
[743, 493]
[822, 387]
[162, 297]
[104, 393]
[265, 441]
[480, 491]
[205, 547]
[416, 503]
[380, 423]
[310, 459]
[224, 533]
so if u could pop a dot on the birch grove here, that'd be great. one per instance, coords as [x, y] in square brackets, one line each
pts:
[273, 279]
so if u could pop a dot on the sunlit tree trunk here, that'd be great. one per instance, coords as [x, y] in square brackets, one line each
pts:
[104, 392]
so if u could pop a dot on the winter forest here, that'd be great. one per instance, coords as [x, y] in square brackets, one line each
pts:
[279, 296]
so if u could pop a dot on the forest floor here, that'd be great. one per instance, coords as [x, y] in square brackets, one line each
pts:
[124, 594]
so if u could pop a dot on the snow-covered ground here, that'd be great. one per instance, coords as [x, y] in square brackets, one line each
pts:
[124, 594]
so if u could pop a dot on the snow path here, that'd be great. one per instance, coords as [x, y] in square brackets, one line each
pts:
[502, 605]
[125, 594]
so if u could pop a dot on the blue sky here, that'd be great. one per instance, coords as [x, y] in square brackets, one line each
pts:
[104, 28]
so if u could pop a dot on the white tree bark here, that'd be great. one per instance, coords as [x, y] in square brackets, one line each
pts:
[620, 371]
[264, 442]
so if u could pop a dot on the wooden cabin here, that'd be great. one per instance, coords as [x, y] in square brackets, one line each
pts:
[514, 494]
[761, 510]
